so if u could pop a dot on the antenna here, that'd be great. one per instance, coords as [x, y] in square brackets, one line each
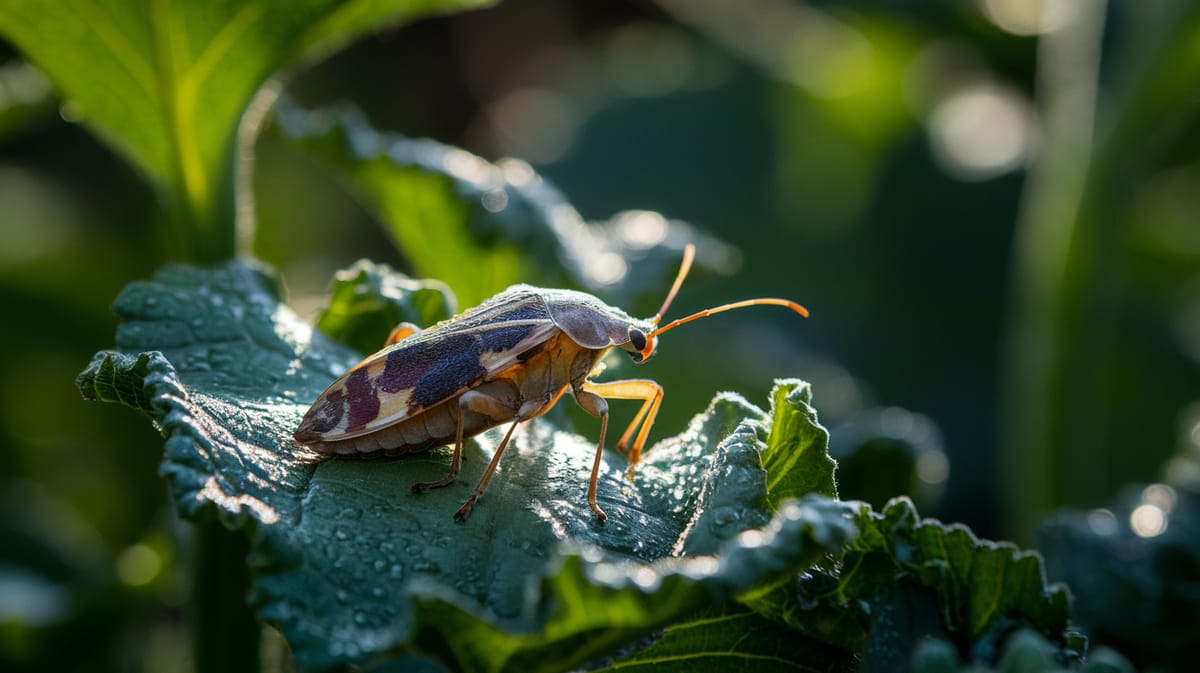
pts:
[729, 307]
[689, 254]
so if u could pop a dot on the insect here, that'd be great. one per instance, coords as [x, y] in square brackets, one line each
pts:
[507, 360]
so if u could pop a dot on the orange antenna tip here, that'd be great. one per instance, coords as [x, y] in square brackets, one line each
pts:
[787, 303]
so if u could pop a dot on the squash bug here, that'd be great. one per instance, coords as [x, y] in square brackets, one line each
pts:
[507, 360]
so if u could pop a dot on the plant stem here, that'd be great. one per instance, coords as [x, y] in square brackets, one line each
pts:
[1068, 64]
[1070, 254]
[225, 634]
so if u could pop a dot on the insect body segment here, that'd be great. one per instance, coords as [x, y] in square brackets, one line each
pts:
[507, 360]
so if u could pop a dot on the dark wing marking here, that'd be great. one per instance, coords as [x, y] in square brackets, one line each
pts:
[428, 368]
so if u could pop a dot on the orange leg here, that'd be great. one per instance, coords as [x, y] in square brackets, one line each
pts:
[455, 461]
[591, 396]
[632, 389]
[595, 405]
[480, 403]
[465, 511]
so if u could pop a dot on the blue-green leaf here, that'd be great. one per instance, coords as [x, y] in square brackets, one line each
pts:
[352, 566]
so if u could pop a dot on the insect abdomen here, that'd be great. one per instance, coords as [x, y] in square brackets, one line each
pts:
[433, 427]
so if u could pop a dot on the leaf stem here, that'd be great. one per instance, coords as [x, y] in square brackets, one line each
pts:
[225, 634]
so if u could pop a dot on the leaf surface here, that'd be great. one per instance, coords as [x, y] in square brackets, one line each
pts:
[354, 567]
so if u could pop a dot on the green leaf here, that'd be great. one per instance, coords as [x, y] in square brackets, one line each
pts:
[482, 226]
[25, 97]
[981, 585]
[1135, 589]
[167, 82]
[886, 452]
[797, 456]
[352, 566]
[368, 300]
[905, 578]
[732, 638]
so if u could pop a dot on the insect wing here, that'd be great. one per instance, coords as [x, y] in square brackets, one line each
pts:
[428, 368]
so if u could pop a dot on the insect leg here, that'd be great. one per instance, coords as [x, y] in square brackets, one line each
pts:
[651, 395]
[401, 331]
[465, 511]
[480, 403]
[597, 406]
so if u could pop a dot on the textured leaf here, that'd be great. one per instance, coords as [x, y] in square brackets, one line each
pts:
[796, 455]
[352, 566]
[494, 224]
[166, 82]
[905, 578]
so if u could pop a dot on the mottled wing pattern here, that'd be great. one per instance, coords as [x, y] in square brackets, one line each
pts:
[430, 367]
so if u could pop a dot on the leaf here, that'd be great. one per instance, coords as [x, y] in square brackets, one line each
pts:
[368, 300]
[886, 452]
[25, 97]
[352, 567]
[796, 455]
[482, 226]
[166, 82]
[1025, 652]
[1135, 591]
[732, 638]
[905, 578]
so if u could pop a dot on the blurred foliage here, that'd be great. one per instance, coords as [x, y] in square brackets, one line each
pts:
[1135, 566]
[830, 143]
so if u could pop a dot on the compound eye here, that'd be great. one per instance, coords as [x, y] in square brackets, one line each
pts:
[637, 338]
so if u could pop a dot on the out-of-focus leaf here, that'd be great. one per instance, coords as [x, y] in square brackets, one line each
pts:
[905, 578]
[166, 83]
[353, 567]
[1136, 590]
[884, 453]
[1025, 652]
[368, 300]
[482, 226]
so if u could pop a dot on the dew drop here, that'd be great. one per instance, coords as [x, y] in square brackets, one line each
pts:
[723, 516]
